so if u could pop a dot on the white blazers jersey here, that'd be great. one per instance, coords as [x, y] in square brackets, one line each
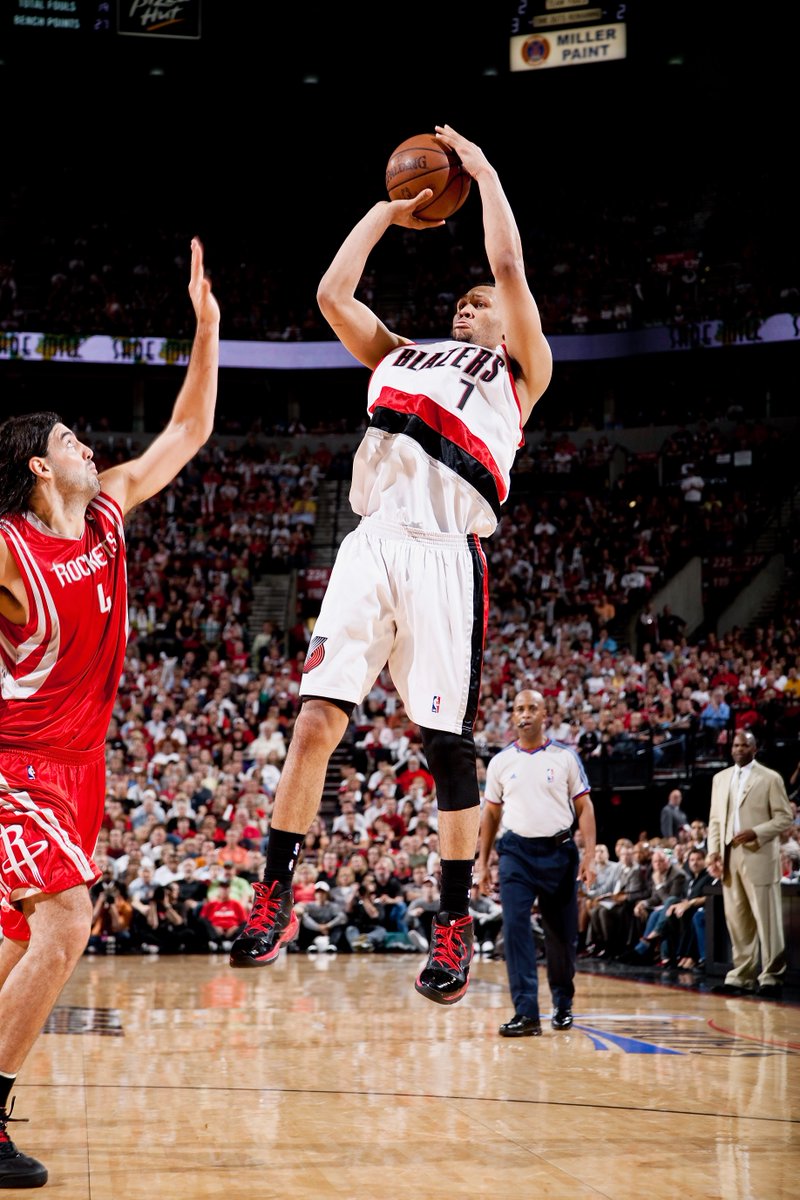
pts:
[445, 429]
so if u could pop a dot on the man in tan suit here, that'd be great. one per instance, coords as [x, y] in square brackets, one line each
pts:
[749, 811]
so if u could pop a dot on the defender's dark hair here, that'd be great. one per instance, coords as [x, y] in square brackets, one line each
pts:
[20, 439]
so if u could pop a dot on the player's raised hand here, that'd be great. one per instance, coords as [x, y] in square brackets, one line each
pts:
[205, 305]
[472, 157]
[402, 211]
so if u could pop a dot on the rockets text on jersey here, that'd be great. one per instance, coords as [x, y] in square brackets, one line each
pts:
[60, 671]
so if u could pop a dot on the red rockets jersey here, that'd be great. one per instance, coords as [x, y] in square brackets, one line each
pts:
[445, 429]
[60, 672]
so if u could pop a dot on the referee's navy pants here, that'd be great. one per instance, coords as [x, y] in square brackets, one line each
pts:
[531, 869]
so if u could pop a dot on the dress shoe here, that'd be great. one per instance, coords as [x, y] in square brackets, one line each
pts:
[770, 991]
[730, 989]
[562, 1018]
[520, 1026]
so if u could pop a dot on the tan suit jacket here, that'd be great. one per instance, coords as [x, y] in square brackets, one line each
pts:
[764, 807]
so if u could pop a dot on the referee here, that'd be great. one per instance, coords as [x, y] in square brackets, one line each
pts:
[539, 790]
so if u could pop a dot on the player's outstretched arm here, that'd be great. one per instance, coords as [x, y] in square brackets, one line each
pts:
[524, 338]
[358, 328]
[192, 420]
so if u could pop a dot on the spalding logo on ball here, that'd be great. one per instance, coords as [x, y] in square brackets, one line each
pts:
[423, 162]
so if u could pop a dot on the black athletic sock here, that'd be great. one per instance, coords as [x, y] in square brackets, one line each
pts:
[6, 1084]
[456, 883]
[283, 849]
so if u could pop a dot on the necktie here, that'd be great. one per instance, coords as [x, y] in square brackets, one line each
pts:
[735, 795]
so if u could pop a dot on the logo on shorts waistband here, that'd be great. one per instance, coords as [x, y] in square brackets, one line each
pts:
[316, 653]
[31, 771]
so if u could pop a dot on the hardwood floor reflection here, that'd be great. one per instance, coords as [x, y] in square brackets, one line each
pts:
[332, 1078]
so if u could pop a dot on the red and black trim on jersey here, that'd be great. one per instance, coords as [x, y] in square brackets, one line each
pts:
[443, 438]
[480, 593]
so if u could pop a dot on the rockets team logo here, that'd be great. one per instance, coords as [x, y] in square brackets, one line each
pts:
[20, 857]
[316, 653]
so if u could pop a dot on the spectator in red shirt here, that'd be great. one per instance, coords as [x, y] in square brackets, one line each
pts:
[184, 828]
[391, 817]
[414, 770]
[304, 884]
[220, 921]
[115, 812]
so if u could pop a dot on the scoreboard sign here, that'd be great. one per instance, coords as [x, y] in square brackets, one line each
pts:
[141, 18]
[566, 33]
[72, 16]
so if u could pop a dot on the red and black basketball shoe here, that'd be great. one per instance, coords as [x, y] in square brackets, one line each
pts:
[445, 978]
[271, 924]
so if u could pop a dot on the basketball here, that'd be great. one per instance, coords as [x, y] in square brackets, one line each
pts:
[422, 162]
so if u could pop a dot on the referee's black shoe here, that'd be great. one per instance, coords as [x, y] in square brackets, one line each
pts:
[445, 977]
[562, 1017]
[520, 1026]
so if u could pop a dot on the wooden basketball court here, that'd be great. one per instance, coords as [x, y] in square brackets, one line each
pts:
[326, 1077]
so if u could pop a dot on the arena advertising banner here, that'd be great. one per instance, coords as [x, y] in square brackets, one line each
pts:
[325, 356]
[160, 18]
[566, 33]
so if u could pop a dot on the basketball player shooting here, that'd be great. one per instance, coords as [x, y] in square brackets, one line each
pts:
[63, 634]
[409, 585]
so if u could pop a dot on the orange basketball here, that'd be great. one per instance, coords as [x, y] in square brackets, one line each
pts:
[422, 162]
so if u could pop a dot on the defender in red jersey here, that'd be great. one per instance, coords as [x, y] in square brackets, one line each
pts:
[408, 587]
[63, 633]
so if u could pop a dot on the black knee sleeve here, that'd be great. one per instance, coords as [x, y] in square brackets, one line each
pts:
[347, 706]
[451, 761]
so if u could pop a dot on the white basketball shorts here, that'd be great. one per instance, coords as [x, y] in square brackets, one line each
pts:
[412, 599]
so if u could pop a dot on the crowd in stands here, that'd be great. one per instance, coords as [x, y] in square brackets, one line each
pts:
[206, 708]
[570, 538]
[185, 833]
[670, 254]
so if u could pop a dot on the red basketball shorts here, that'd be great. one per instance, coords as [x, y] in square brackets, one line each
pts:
[51, 809]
